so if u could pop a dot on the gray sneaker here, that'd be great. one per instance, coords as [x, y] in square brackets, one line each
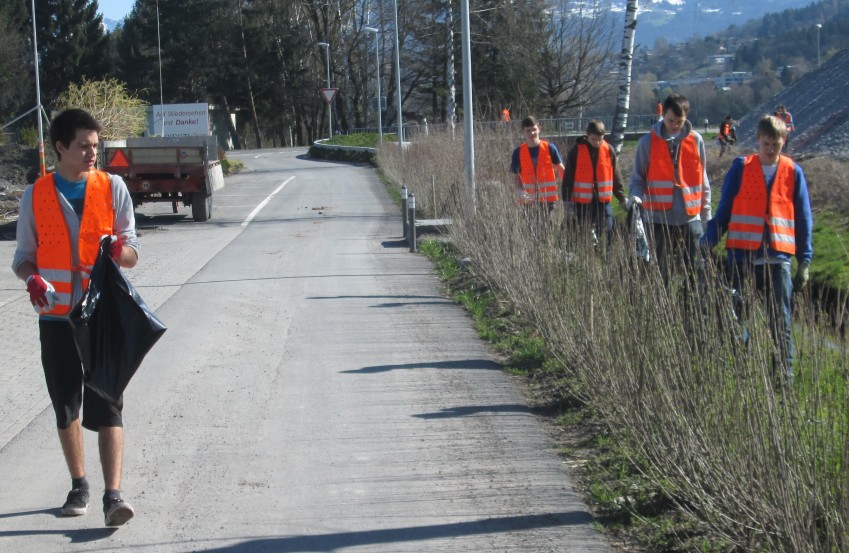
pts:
[116, 511]
[76, 504]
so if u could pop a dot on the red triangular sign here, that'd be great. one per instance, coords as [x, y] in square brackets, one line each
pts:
[328, 94]
[119, 159]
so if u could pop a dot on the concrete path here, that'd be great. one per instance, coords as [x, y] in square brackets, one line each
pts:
[315, 391]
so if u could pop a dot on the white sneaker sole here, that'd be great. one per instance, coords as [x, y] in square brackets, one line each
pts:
[73, 511]
[120, 515]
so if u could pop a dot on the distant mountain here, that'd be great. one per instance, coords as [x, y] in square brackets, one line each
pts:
[678, 20]
[110, 24]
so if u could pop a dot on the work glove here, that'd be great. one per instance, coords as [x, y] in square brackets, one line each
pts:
[116, 247]
[42, 295]
[632, 200]
[803, 274]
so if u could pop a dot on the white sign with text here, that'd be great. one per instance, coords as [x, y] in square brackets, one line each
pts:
[180, 120]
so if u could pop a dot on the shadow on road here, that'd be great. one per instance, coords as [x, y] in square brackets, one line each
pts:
[459, 364]
[339, 540]
[465, 411]
[82, 535]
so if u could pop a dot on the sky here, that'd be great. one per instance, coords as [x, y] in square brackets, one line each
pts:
[115, 9]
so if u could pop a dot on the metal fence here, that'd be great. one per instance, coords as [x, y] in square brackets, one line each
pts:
[563, 126]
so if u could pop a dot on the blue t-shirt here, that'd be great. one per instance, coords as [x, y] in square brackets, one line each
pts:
[515, 167]
[74, 192]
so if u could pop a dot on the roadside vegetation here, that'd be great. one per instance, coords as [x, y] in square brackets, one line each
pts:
[684, 441]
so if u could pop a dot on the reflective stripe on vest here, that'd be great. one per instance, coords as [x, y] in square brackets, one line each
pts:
[59, 262]
[588, 177]
[752, 210]
[660, 180]
[539, 183]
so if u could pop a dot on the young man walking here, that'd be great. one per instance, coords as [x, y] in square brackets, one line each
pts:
[670, 181]
[766, 210]
[62, 219]
[591, 181]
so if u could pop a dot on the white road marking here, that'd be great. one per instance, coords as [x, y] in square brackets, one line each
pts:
[264, 202]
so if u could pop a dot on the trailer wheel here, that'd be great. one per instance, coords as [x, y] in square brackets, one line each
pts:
[201, 206]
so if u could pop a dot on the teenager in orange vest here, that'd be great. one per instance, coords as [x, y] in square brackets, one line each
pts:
[538, 167]
[787, 117]
[62, 218]
[727, 135]
[766, 211]
[592, 179]
[670, 181]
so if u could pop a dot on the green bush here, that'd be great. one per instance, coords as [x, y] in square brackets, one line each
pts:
[340, 154]
[29, 137]
[231, 166]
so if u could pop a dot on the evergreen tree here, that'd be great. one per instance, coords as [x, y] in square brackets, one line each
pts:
[71, 44]
[15, 62]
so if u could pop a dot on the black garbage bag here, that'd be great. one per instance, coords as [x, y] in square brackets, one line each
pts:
[113, 328]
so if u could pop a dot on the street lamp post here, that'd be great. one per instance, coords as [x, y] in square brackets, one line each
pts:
[398, 79]
[326, 45]
[38, 106]
[819, 26]
[377, 63]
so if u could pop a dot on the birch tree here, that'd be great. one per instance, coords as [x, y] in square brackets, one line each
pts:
[626, 58]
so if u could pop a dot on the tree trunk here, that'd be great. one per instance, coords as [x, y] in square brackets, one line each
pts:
[257, 130]
[231, 128]
[451, 108]
[620, 118]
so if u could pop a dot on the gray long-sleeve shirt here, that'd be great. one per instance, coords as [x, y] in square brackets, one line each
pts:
[677, 216]
[27, 236]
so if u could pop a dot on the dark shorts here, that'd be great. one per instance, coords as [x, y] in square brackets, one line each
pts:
[64, 375]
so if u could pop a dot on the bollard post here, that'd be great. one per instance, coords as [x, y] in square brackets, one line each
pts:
[404, 208]
[411, 202]
[433, 191]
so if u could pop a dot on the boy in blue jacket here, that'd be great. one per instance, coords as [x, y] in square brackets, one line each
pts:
[766, 211]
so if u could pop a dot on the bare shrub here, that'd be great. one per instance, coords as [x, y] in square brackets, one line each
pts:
[119, 113]
[667, 365]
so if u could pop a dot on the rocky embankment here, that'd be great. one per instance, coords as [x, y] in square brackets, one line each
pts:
[820, 111]
[18, 166]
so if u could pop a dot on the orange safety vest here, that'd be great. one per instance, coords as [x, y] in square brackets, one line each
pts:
[505, 115]
[59, 262]
[539, 182]
[661, 180]
[725, 129]
[588, 177]
[752, 210]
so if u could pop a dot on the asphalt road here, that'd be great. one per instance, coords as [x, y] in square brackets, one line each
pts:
[315, 391]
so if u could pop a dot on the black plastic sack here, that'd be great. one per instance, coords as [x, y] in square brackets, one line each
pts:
[113, 328]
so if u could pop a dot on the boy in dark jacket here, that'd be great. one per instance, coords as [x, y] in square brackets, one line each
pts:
[592, 180]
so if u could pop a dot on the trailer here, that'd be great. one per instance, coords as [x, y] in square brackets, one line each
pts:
[178, 170]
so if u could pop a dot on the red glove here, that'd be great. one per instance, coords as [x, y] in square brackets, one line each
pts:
[116, 247]
[38, 288]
